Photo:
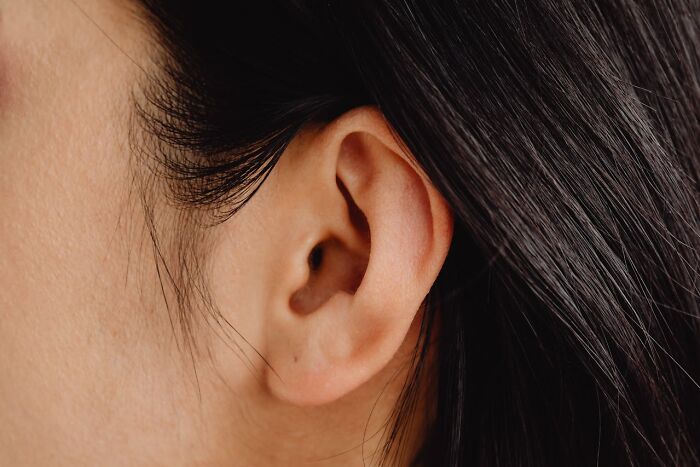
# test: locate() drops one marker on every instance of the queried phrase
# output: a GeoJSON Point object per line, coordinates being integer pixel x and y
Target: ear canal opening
{"type": "Point", "coordinates": [316, 258]}
{"type": "Point", "coordinates": [334, 267]}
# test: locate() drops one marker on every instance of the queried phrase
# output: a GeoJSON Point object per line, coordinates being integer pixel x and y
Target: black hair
{"type": "Point", "coordinates": [565, 136]}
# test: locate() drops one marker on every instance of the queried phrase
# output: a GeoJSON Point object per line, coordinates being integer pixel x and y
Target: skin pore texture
{"type": "Point", "coordinates": [92, 372]}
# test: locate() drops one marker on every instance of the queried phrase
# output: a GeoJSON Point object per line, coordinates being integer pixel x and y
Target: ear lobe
{"type": "Point", "coordinates": [367, 275]}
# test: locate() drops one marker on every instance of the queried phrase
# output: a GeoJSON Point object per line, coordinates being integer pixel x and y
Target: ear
{"type": "Point", "coordinates": [365, 238]}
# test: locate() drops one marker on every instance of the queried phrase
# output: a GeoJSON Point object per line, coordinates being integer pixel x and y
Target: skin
{"type": "Point", "coordinates": [92, 372]}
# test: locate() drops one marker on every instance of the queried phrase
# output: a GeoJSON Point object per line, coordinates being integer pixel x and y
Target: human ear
{"type": "Point", "coordinates": [365, 236]}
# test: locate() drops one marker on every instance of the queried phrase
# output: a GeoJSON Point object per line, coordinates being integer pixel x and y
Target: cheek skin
{"type": "Point", "coordinates": [79, 335]}
{"type": "Point", "coordinates": [3, 65]}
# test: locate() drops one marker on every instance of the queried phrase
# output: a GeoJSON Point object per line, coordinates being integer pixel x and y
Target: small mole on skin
{"type": "Point", "coordinates": [295, 359]}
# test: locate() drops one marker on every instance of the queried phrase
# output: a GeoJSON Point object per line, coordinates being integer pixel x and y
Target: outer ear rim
{"type": "Point", "coordinates": [318, 380]}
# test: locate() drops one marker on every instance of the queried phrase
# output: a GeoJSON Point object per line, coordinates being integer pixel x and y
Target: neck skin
{"type": "Point", "coordinates": [351, 431]}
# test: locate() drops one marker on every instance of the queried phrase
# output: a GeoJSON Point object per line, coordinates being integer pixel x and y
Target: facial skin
{"type": "Point", "coordinates": [92, 372]}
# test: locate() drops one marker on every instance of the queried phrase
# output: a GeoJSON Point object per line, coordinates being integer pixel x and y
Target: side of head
{"type": "Point", "coordinates": [383, 232]}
